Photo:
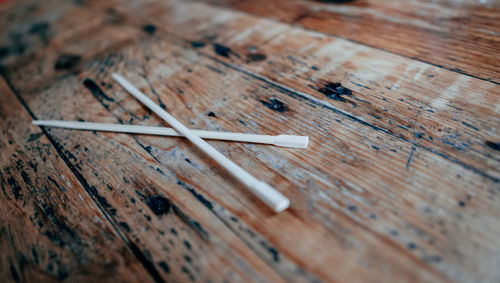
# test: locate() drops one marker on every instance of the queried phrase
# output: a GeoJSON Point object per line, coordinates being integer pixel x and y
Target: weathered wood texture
{"type": "Point", "coordinates": [453, 115]}
{"type": "Point", "coordinates": [400, 182]}
{"type": "Point", "coordinates": [50, 229]}
{"type": "Point", "coordinates": [460, 36]}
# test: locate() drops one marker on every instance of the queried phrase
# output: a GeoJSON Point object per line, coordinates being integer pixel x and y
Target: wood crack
{"type": "Point", "coordinates": [300, 17]}
{"type": "Point", "coordinates": [199, 197]}
{"type": "Point", "coordinates": [147, 264]}
{"type": "Point", "coordinates": [295, 93]}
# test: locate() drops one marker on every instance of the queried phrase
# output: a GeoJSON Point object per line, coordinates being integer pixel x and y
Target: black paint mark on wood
{"type": "Point", "coordinates": [198, 196]}
{"type": "Point", "coordinates": [159, 205]}
{"type": "Point", "coordinates": [150, 29]}
{"type": "Point", "coordinates": [352, 208]}
{"type": "Point", "coordinates": [102, 200]}
{"type": "Point", "coordinates": [4, 51]}
{"type": "Point", "coordinates": [215, 69]}
{"type": "Point", "coordinates": [190, 222]}
{"type": "Point", "coordinates": [15, 187]}
{"type": "Point", "coordinates": [34, 137]}
{"type": "Point", "coordinates": [274, 253]}
{"type": "Point", "coordinates": [61, 234]}
{"type": "Point", "coordinates": [493, 145]}
{"type": "Point", "coordinates": [412, 246]}
{"type": "Point", "coordinates": [149, 266]}
{"type": "Point", "coordinates": [2, 184]}
{"type": "Point", "coordinates": [454, 141]}
{"type": "Point", "coordinates": [164, 266]}
{"type": "Point", "coordinates": [67, 61]}
{"type": "Point", "coordinates": [470, 126]}
{"type": "Point", "coordinates": [222, 50]}
{"type": "Point", "coordinates": [55, 183]}
{"type": "Point", "coordinates": [97, 92]}
{"type": "Point", "coordinates": [187, 245]}
{"type": "Point", "coordinates": [125, 226]}
{"type": "Point", "coordinates": [35, 255]}
{"type": "Point", "coordinates": [14, 273]}
{"type": "Point", "coordinates": [410, 157]}
{"type": "Point", "coordinates": [187, 272]}
{"type": "Point", "coordinates": [146, 263]}
{"type": "Point", "coordinates": [197, 44]}
{"type": "Point", "coordinates": [41, 29]}
{"type": "Point", "coordinates": [335, 91]}
{"type": "Point", "coordinates": [255, 57]}
{"type": "Point", "coordinates": [274, 104]}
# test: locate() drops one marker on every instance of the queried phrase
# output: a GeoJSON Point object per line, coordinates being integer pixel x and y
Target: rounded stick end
{"type": "Point", "coordinates": [281, 205]}
{"type": "Point", "coordinates": [270, 196]}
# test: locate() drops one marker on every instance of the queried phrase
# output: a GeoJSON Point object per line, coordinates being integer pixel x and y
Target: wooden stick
{"type": "Point", "coordinates": [280, 140]}
{"type": "Point", "coordinates": [274, 199]}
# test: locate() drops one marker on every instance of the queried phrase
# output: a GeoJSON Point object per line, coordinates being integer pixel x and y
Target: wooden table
{"type": "Point", "coordinates": [400, 99]}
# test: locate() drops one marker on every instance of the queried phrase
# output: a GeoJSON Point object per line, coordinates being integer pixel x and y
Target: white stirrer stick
{"type": "Point", "coordinates": [280, 140]}
{"type": "Point", "coordinates": [265, 192]}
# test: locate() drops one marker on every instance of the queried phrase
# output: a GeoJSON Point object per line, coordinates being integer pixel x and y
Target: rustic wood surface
{"type": "Point", "coordinates": [459, 36]}
{"type": "Point", "coordinates": [400, 181]}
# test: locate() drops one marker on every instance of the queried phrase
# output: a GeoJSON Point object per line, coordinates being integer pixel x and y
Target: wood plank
{"type": "Point", "coordinates": [447, 113]}
{"type": "Point", "coordinates": [463, 38]}
{"type": "Point", "coordinates": [357, 203]}
{"type": "Point", "coordinates": [71, 34]}
{"type": "Point", "coordinates": [50, 228]}
{"type": "Point", "coordinates": [177, 247]}
{"type": "Point", "coordinates": [233, 96]}
{"type": "Point", "coordinates": [361, 209]}
{"type": "Point", "coordinates": [154, 208]}
{"type": "Point", "coordinates": [28, 26]}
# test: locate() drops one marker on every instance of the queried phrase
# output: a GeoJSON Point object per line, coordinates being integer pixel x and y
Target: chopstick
{"type": "Point", "coordinates": [280, 140]}
{"type": "Point", "coordinates": [271, 197]}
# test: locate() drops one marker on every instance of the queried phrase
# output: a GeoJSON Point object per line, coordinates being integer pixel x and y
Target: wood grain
{"type": "Point", "coordinates": [28, 26]}
{"type": "Point", "coordinates": [462, 37]}
{"type": "Point", "coordinates": [160, 225]}
{"type": "Point", "coordinates": [188, 83]}
{"type": "Point", "coordinates": [336, 211]}
{"type": "Point", "coordinates": [73, 35]}
{"type": "Point", "coordinates": [452, 115]}
{"type": "Point", "coordinates": [400, 182]}
{"type": "Point", "coordinates": [50, 228]}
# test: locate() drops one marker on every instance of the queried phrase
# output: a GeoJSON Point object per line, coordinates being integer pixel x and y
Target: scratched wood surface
{"type": "Point", "coordinates": [400, 181]}
{"type": "Point", "coordinates": [51, 228]}
{"type": "Point", "coordinates": [459, 36]}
